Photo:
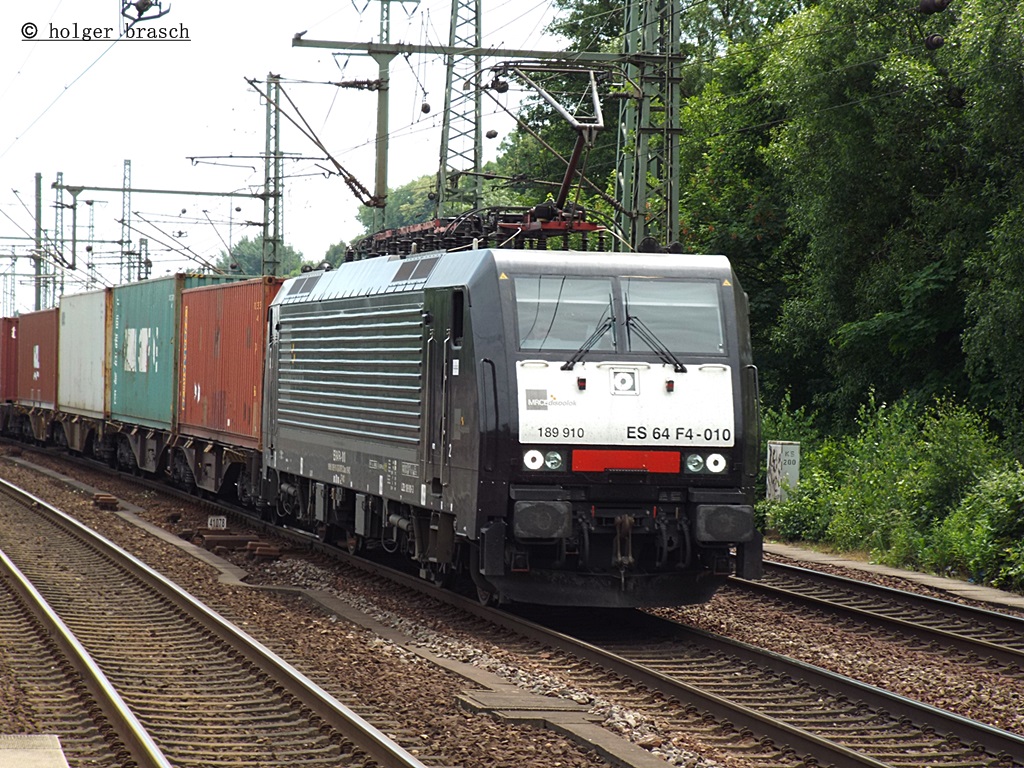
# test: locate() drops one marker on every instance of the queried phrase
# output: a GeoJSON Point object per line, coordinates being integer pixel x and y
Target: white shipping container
{"type": "Point", "coordinates": [84, 354]}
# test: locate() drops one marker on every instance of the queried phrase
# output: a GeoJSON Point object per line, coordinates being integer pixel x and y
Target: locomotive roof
{"type": "Point", "coordinates": [438, 269]}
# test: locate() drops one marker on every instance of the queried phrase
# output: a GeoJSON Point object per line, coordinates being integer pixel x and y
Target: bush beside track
{"type": "Point", "coordinates": [923, 487]}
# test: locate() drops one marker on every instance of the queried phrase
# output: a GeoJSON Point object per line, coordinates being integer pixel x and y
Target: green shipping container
{"type": "Point", "coordinates": [144, 358]}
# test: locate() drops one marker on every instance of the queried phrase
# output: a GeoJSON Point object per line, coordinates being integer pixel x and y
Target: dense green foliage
{"type": "Point", "coordinates": [983, 538]}
{"type": "Point", "coordinates": [923, 487]}
{"type": "Point", "coordinates": [408, 204]}
{"type": "Point", "coordinates": [336, 253]}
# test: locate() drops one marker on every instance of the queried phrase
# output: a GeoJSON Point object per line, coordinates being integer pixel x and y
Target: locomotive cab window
{"type": "Point", "coordinates": [458, 317]}
{"type": "Point", "coordinates": [559, 312]}
{"type": "Point", "coordinates": [684, 316]}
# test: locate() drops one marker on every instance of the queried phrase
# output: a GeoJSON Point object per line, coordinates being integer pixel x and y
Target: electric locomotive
{"type": "Point", "coordinates": [570, 428]}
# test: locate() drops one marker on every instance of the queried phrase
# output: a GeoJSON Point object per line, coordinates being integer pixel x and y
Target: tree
{"type": "Point", "coordinates": [589, 25]}
{"type": "Point", "coordinates": [527, 171]}
{"type": "Point", "coordinates": [410, 203]}
{"type": "Point", "coordinates": [336, 253]}
{"type": "Point", "coordinates": [246, 258]}
{"type": "Point", "coordinates": [986, 60]}
{"type": "Point", "coordinates": [708, 30]}
{"type": "Point", "coordinates": [867, 142]}
{"type": "Point", "coordinates": [732, 203]}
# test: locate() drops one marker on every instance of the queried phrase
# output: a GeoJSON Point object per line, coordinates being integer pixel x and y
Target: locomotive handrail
{"type": "Point", "coordinates": [444, 472]}
{"type": "Point", "coordinates": [428, 403]}
{"type": "Point", "coordinates": [751, 462]}
{"type": "Point", "coordinates": [490, 446]}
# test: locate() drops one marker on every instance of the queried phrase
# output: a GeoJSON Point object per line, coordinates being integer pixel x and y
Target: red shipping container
{"type": "Point", "coordinates": [37, 358]}
{"type": "Point", "coordinates": [223, 340]}
{"type": "Point", "coordinates": [8, 359]}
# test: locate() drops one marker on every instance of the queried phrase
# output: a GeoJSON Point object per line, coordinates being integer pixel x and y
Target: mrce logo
{"type": "Point", "coordinates": [540, 400]}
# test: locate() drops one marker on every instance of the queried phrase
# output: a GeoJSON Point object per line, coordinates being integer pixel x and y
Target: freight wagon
{"type": "Point", "coordinates": [220, 387]}
{"type": "Point", "coordinates": [83, 371]}
{"type": "Point", "coordinates": [36, 395]}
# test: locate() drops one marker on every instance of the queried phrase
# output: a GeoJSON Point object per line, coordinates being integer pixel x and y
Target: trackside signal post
{"type": "Point", "coordinates": [783, 469]}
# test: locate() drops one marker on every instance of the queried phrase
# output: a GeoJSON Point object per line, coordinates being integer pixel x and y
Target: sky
{"type": "Point", "coordinates": [181, 110]}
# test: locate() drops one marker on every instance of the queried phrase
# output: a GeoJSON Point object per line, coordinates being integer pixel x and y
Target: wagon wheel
{"type": "Point", "coordinates": [125, 457]}
{"type": "Point", "coordinates": [328, 533]}
{"type": "Point", "coordinates": [353, 542]}
{"type": "Point", "coordinates": [243, 488]}
{"type": "Point", "coordinates": [486, 597]}
{"type": "Point", "coordinates": [181, 473]}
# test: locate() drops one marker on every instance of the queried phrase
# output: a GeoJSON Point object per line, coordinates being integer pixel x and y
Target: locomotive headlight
{"type": "Point", "coordinates": [694, 462]}
{"type": "Point", "coordinates": [553, 460]}
{"type": "Point", "coordinates": [716, 462]}
{"type": "Point", "coordinates": [533, 459]}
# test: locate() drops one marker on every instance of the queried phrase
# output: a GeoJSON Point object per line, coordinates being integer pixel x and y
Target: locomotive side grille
{"type": "Point", "coordinates": [352, 369]}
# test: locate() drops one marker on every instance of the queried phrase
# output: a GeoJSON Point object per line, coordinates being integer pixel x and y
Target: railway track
{"type": "Point", "coordinates": [983, 633]}
{"type": "Point", "coordinates": [834, 719]}
{"type": "Point", "coordinates": [205, 693]}
{"type": "Point", "coordinates": [768, 709]}
{"type": "Point", "coordinates": [61, 690]}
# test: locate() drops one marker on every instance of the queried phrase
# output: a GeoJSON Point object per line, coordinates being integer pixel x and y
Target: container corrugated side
{"type": "Point", "coordinates": [144, 348]}
{"type": "Point", "coordinates": [37, 358]}
{"type": "Point", "coordinates": [8, 359]}
{"type": "Point", "coordinates": [83, 369]}
{"type": "Point", "coordinates": [223, 340]}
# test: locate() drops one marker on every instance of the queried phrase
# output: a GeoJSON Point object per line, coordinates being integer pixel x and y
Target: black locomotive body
{"type": "Point", "coordinates": [568, 428]}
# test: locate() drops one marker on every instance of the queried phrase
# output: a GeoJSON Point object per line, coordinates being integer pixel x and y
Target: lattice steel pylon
{"type": "Point", "coordinates": [45, 267]}
{"type": "Point", "coordinates": [647, 172]}
{"type": "Point", "coordinates": [127, 253]}
{"type": "Point", "coordinates": [9, 276]}
{"type": "Point", "coordinates": [461, 140]}
{"type": "Point", "coordinates": [273, 183]}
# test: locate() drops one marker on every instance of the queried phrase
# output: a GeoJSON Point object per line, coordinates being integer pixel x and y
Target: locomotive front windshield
{"type": "Point", "coordinates": [561, 312]}
{"type": "Point", "coordinates": [685, 316]}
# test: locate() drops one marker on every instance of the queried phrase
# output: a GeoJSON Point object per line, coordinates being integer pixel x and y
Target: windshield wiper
{"type": "Point", "coordinates": [587, 345]}
{"type": "Point", "coordinates": [649, 338]}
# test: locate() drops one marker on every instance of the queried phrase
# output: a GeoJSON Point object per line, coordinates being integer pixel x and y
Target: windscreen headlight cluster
{"type": "Point", "coordinates": [550, 460]}
{"type": "Point", "coordinates": [699, 464]}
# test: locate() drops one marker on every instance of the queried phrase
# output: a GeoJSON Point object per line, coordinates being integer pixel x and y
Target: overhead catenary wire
{"type": "Point", "coordinates": [31, 50]}
{"type": "Point", "coordinates": [182, 249]}
{"type": "Point", "coordinates": [357, 188]}
{"type": "Point", "coordinates": [44, 256]}
{"type": "Point", "coordinates": [59, 96]}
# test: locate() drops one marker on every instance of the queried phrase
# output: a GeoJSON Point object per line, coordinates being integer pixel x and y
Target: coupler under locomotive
{"type": "Point", "coordinates": [560, 552]}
